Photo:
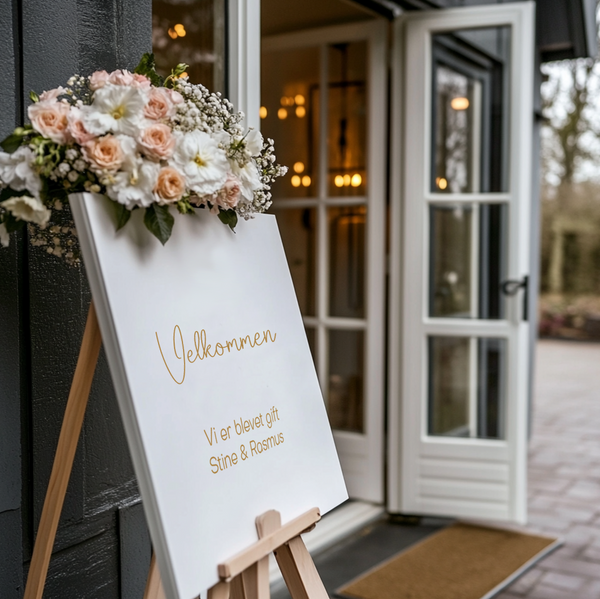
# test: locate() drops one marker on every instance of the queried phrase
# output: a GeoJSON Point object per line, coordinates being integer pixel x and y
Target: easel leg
{"type": "Point", "coordinates": [65, 453]}
{"type": "Point", "coordinates": [154, 588]}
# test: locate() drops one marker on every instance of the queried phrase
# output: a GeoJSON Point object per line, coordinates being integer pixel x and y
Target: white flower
{"type": "Point", "coordinates": [16, 171]}
{"type": "Point", "coordinates": [249, 178]}
{"type": "Point", "coordinates": [4, 236]}
{"type": "Point", "coordinates": [63, 168]}
{"type": "Point", "coordinates": [71, 154]}
{"type": "Point", "coordinates": [203, 164]}
{"type": "Point", "coordinates": [28, 209]}
{"type": "Point", "coordinates": [133, 185]}
{"type": "Point", "coordinates": [116, 108]}
{"type": "Point", "coordinates": [254, 142]}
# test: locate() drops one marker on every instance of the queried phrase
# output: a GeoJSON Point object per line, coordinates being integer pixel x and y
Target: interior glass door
{"type": "Point", "coordinates": [458, 387]}
{"type": "Point", "coordinates": [323, 102]}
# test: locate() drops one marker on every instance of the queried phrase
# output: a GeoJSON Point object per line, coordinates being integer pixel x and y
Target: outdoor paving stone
{"type": "Point", "coordinates": [563, 581]}
{"type": "Point", "coordinates": [526, 582]}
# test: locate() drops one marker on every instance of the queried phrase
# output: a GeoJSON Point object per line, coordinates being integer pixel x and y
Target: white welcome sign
{"type": "Point", "coordinates": [215, 381]}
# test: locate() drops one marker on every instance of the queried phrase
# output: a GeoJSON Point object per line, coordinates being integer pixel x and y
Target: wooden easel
{"type": "Point", "coordinates": [244, 576]}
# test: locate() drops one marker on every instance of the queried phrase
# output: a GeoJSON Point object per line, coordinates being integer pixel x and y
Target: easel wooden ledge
{"type": "Point", "coordinates": [244, 576]}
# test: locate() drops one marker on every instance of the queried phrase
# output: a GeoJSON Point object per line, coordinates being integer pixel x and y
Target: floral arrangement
{"type": "Point", "coordinates": [144, 142]}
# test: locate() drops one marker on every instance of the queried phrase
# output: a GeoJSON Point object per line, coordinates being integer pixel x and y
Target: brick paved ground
{"type": "Point", "coordinates": [564, 472]}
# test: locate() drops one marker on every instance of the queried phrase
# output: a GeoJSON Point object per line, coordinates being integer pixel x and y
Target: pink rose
{"type": "Point", "coordinates": [50, 119]}
{"type": "Point", "coordinates": [176, 97]}
{"type": "Point", "coordinates": [121, 77]}
{"type": "Point", "coordinates": [159, 104]}
{"type": "Point", "coordinates": [98, 79]}
{"type": "Point", "coordinates": [141, 81]}
{"type": "Point", "coordinates": [157, 141]}
{"type": "Point", "coordinates": [52, 94]}
{"type": "Point", "coordinates": [76, 127]}
{"type": "Point", "coordinates": [229, 195]}
{"type": "Point", "coordinates": [104, 153]}
{"type": "Point", "coordinates": [170, 185]}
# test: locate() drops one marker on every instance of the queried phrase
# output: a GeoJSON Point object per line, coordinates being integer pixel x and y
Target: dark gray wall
{"type": "Point", "coordinates": [102, 548]}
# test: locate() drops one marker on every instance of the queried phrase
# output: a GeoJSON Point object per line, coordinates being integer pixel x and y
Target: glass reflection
{"type": "Point", "coordinates": [346, 380]}
{"type": "Point", "coordinates": [466, 387]}
{"type": "Point", "coordinates": [192, 32]}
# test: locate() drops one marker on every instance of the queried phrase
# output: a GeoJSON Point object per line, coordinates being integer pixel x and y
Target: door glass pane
{"type": "Point", "coordinates": [347, 227]}
{"type": "Point", "coordinates": [466, 396]}
{"type": "Point", "coordinates": [192, 32]}
{"type": "Point", "coordinates": [311, 335]}
{"type": "Point", "coordinates": [470, 110]}
{"type": "Point", "coordinates": [290, 116]}
{"type": "Point", "coordinates": [346, 380]}
{"type": "Point", "coordinates": [347, 135]}
{"type": "Point", "coordinates": [298, 233]}
{"type": "Point", "coordinates": [467, 260]}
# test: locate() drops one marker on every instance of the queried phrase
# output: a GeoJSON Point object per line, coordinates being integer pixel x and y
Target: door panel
{"type": "Point", "coordinates": [331, 213]}
{"type": "Point", "coordinates": [460, 230]}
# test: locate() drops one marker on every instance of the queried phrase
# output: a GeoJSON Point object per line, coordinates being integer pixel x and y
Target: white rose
{"type": "Point", "coordinates": [134, 184]}
{"type": "Point", "coordinates": [28, 209]}
{"type": "Point", "coordinates": [249, 178]}
{"type": "Point", "coordinates": [4, 236]}
{"type": "Point", "coordinates": [16, 171]}
{"type": "Point", "coordinates": [254, 142]}
{"type": "Point", "coordinates": [116, 108]}
{"type": "Point", "coordinates": [203, 164]}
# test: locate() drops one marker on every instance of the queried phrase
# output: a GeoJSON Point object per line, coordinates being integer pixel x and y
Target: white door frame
{"type": "Point", "coordinates": [420, 481]}
{"type": "Point", "coordinates": [361, 454]}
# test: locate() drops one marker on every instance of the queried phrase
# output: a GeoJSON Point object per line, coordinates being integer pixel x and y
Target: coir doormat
{"type": "Point", "coordinates": [462, 561]}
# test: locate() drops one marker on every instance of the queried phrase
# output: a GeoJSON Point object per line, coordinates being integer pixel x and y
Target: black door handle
{"type": "Point", "coordinates": [511, 287]}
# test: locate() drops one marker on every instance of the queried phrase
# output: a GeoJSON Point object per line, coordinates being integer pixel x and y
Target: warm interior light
{"type": "Point", "coordinates": [184, 74]}
{"type": "Point", "coordinates": [300, 111]}
{"type": "Point", "coordinates": [285, 101]}
{"type": "Point", "coordinates": [339, 181]}
{"type": "Point", "coordinates": [282, 113]}
{"type": "Point", "coordinates": [356, 180]}
{"type": "Point", "coordinates": [441, 182]}
{"type": "Point", "coordinates": [459, 103]}
{"type": "Point", "coordinates": [296, 181]}
{"type": "Point", "coordinates": [180, 30]}
{"type": "Point", "coordinates": [263, 112]}
{"type": "Point", "coordinates": [299, 99]}
{"type": "Point", "coordinates": [306, 180]}
{"type": "Point", "coordinates": [298, 167]}
{"type": "Point", "coordinates": [172, 33]}
{"type": "Point", "coordinates": [347, 180]}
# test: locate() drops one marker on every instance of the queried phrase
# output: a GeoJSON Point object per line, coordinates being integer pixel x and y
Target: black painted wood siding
{"type": "Point", "coordinates": [102, 550]}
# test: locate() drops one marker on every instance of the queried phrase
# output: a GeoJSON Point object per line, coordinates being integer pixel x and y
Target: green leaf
{"type": "Point", "coordinates": [12, 143]}
{"type": "Point", "coordinates": [184, 206]}
{"type": "Point", "coordinates": [147, 66]}
{"type": "Point", "coordinates": [159, 221]}
{"type": "Point", "coordinates": [121, 213]}
{"type": "Point", "coordinates": [229, 218]}
{"type": "Point", "coordinates": [34, 97]}
{"type": "Point", "coordinates": [12, 223]}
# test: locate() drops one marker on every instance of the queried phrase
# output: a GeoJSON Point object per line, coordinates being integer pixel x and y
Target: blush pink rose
{"type": "Point", "coordinates": [157, 141]}
{"type": "Point", "coordinates": [159, 104]}
{"type": "Point", "coordinates": [170, 185]}
{"type": "Point", "coordinates": [52, 94]}
{"type": "Point", "coordinates": [76, 127]}
{"type": "Point", "coordinates": [229, 195]}
{"type": "Point", "coordinates": [141, 81]}
{"type": "Point", "coordinates": [176, 97]}
{"type": "Point", "coordinates": [50, 119]}
{"type": "Point", "coordinates": [98, 79]}
{"type": "Point", "coordinates": [121, 77]}
{"type": "Point", "coordinates": [104, 153]}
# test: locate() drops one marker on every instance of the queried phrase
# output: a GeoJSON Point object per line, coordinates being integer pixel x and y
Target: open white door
{"type": "Point", "coordinates": [459, 263]}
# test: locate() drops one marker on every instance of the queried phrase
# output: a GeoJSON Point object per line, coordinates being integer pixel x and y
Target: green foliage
{"type": "Point", "coordinates": [184, 206]}
{"type": "Point", "coordinates": [7, 193]}
{"type": "Point", "coordinates": [34, 97]}
{"type": "Point", "coordinates": [176, 73]}
{"type": "Point", "coordinates": [121, 213]}
{"type": "Point", "coordinates": [147, 66]}
{"type": "Point", "coordinates": [229, 218]}
{"type": "Point", "coordinates": [159, 221]}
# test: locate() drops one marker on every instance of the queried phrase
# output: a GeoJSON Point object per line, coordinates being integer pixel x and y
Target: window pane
{"type": "Point", "coordinates": [466, 387]}
{"type": "Point", "coordinates": [347, 228]}
{"type": "Point", "coordinates": [470, 110]}
{"type": "Point", "coordinates": [346, 380]}
{"type": "Point", "coordinates": [192, 32]}
{"type": "Point", "coordinates": [298, 233]}
{"type": "Point", "coordinates": [347, 135]}
{"type": "Point", "coordinates": [290, 116]}
{"type": "Point", "coordinates": [467, 260]}
{"type": "Point", "coordinates": [311, 335]}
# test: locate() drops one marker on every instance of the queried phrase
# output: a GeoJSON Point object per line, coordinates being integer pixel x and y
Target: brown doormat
{"type": "Point", "coordinates": [460, 562]}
